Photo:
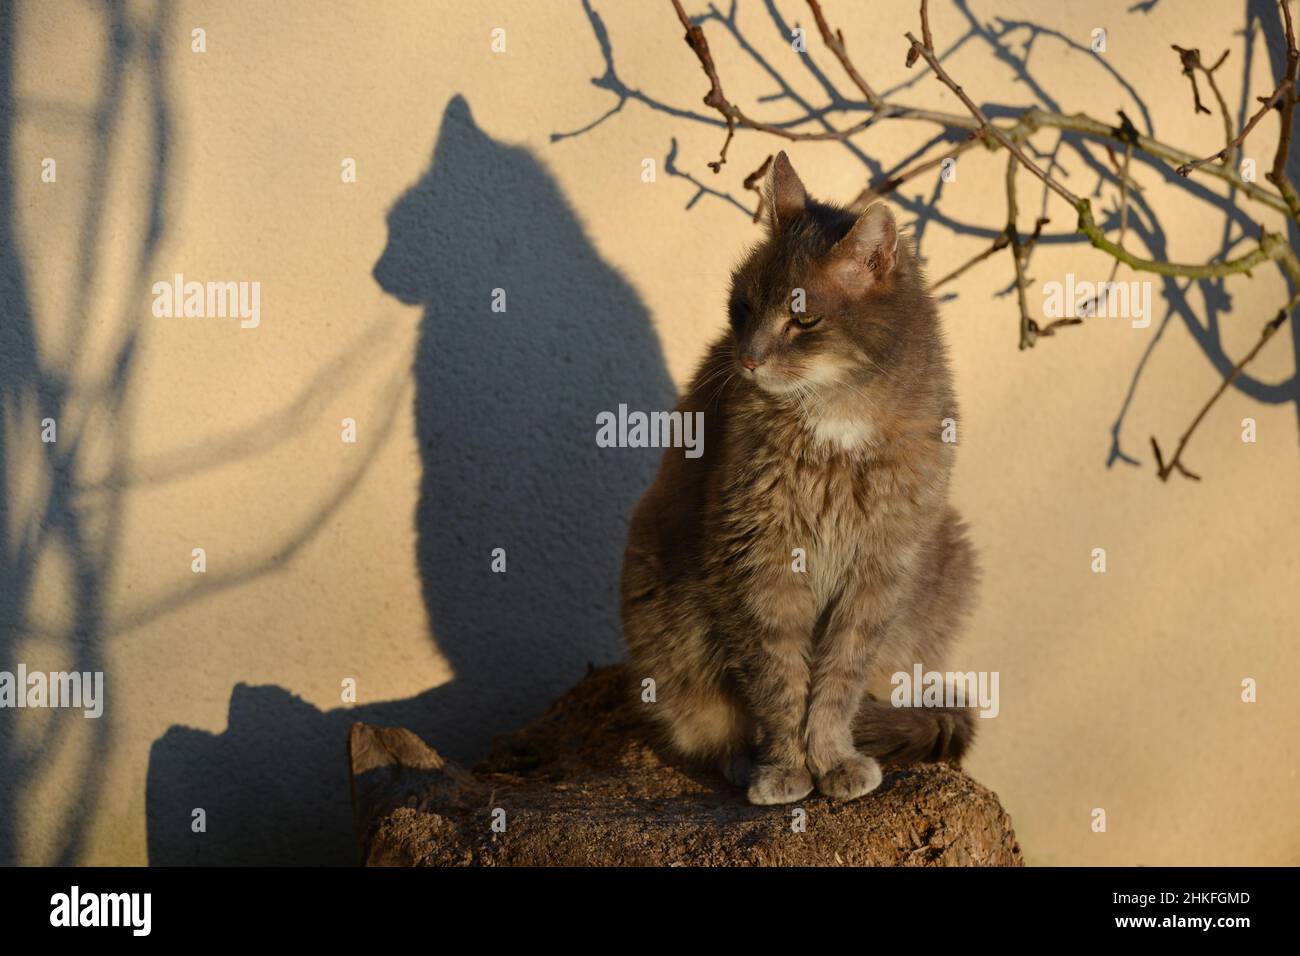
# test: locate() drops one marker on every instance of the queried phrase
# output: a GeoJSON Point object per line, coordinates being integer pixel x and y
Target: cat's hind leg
{"type": "Point", "coordinates": [708, 724]}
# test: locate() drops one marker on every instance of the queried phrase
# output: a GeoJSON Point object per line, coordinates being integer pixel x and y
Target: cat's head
{"type": "Point", "coordinates": [820, 302]}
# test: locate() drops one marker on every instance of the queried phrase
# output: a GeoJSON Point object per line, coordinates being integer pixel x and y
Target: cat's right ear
{"type": "Point", "coordinates": [784, 196]}
{"type": "Point", "coordinates": [869, 252]}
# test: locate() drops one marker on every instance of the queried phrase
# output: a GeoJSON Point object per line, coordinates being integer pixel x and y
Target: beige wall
{"type": "Point", "coordinates": [329, 561]}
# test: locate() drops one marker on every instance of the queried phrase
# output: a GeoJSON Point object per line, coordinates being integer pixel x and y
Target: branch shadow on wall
{"type": "Point", "coordinates": [505, 411]}
{"type": "Point", "coordinates": [58, 522]}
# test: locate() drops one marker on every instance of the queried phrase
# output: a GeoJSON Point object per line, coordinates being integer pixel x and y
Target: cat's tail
{"type": "Point", "coordinates": [908, 735]}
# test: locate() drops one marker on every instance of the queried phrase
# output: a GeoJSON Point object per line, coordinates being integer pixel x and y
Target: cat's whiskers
{"type": "Point", "coordinates": [816, 400]}
{"type": "Point", "coordinates": [799, 391]}
{"type": "Point", "coordinates": [715, 374]}
{"type": "Point", "coordinates": [725, 371]}
{"type": "Point", "coordinates": [718, 391]}
{"type": "Point", "coordinates": [801, 388]}
{"type": "Point", "coordinates": [857, 391]}
{"type": "Point", "coordinates": [872, 362]}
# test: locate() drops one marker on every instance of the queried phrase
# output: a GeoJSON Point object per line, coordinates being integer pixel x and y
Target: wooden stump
{"type": "Point", "coordinates": [581, 786]}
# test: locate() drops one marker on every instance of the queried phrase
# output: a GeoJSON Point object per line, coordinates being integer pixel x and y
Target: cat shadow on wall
{"type": "Point", "coordinates": [505, 420]}
{"type": "Point", "coordinates": [505, 409]}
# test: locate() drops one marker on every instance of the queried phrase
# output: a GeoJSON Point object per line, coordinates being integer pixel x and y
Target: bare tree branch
{"type": "Point", "coordinates": [1271, 247]}
{"type": "Point", "coordinates": [1283, 98]}
{"type": "Point", "coordinates": [985, 127]}
{"type": "Point", "coordinates": [1286, 106]}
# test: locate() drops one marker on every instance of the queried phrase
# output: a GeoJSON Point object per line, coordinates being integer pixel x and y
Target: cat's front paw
{"type": "Point", "coordinates": [771, 783]}
{"type": "Point", "coordinates": [851, 778]}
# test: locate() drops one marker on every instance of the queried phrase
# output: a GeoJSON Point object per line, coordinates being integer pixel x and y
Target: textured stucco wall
{"type": "Point", "coordinates": [475, 430]}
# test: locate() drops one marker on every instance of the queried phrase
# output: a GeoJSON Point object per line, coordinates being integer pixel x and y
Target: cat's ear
{"type": "Point", "coordinates": [869, 252]}
{"type": "Point", "coordinates": [784, 196]}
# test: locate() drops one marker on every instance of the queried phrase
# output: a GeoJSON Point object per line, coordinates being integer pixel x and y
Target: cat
{"type": "Point", "coordinates": [772, 587]}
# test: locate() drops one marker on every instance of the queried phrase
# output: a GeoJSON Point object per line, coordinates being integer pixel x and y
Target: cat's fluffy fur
{"type": "Point", "coordinates": [823, 435]}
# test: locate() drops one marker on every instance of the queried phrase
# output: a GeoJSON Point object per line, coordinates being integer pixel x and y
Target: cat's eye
{"type": "Point", "coordinates": [804, 320]}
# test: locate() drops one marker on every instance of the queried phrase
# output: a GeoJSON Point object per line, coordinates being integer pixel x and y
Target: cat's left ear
{"type": "Point", "coordinates": [869, 252]}
{"type": "Point", "coordinates": [784, 196]}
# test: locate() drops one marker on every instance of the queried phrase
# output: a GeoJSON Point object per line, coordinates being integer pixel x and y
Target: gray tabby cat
{"type": "Point", "coordinates": [824, 435]}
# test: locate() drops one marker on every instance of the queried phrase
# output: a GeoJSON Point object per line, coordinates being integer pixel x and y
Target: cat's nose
{"type": "Point", "coordinates": [751, 363]}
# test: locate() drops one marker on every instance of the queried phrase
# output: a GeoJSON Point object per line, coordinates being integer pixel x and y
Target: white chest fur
{"type": "Point", "coordinates": [843, 433]}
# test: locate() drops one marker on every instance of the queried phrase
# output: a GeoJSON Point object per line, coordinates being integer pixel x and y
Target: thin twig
{"type": "Point", "coordinates": [1235, 143]}
{"type": "Point", "coordinates": [985, 127]}
{"type": "Point", "coordinates": [715, 98]}
{"type": "Point", "coordinates": [835, 43]}
{"type": "Point", "coordinates": [1283, 97]}
{"type": "Point", "coordinates": [1165, 469]}
{"type": "Point", "coordinates": [1030, 243]}
{"type": "Point", "coordinates": [1123, 205]}
{"type": "Point", "coordinates": [999, 244]}
{"type": "Point", "coordinates": [1218, 95]}
{"type": "Point", "coordinates": [1028, 328]}
{"type": "Point", "coordinates": [752, 182]}
{"type": "Point", "coordinates": [734, 115]}
{"type": "Point", "coordinates": [1191, 60]}
{"type": "Point", "coordinates": [1286, 105]}
{"type": "Point", "coordinates": [888, 184]}
{"type": "Point", "coordinates": [1119, 170]}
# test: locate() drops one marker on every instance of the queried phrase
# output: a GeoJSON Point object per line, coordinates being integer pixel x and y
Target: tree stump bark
{"type": "Point", "coordinates": [582, 786]}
